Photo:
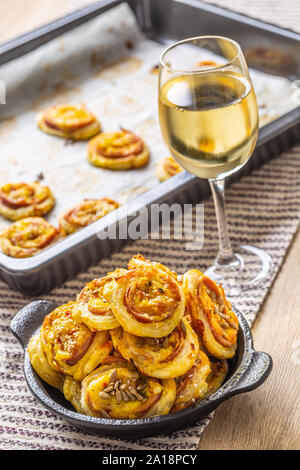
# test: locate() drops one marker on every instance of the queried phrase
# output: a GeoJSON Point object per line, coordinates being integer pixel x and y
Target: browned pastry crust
{"type": "Point", "coordinates": [26, 237]}
{"type": "Point", "coordinates": [85, 213]}
{"type": "Point", "coordinates": [121, 150]}
{"type": "Point", "coordinates": [20, 200]}
{"type": "Point", "coordinates": [69, 122]}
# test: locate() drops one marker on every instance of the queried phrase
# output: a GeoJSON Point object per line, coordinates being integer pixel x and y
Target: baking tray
{"type": "Point", "coordinates": [161, 21]}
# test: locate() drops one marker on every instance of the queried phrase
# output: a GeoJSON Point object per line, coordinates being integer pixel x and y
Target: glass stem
{"type": "Point", "coordinates": [226, 256]}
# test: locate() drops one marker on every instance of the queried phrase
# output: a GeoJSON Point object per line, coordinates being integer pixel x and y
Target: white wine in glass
{"type": "Point", "coordinates": [209, 120]}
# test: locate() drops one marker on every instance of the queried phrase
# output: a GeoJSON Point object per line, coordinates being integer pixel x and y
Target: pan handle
{"type": "Point", "coordinates": [259, 369]}
{"type": "Point", "coordinates": [29, 318]}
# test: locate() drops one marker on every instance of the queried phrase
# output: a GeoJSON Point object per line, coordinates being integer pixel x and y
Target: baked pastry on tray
{"type": "Point", "coordinates": [166, 168]}
{"type": "Point", "coordinates": [69, 122]}
{"type": "Point", "coordinates": [120, 150]}
{"type": "Point", "coordinates": [20, 200]}
{"type": "Point", "coordinates": [28, 236]}
{"type": "Point", "coordinates": [135, 343]}
{"type": "Point", "coordinates": [85, 213]}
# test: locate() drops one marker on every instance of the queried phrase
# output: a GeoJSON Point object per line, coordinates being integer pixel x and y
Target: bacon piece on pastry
{"type": "Point", "coordinates": [72, 348]}
{"type": "Point", "coordinates": [69, 122]}
{"type": "Point", "coordinates": [20, 200]}
{"type": "Point", "coordinates": [212, 314]}
{"type": "Point", "coordinates": [116, 390]}
{"type": "Point", "coordinates": [166, 168]}
{"type": "Point", "coordinates": [164, 358]}
{"type": "Point", "coordinates": [146, 300]}
{"type": "Point", "coordinates": [28, 236]}
{"type": "Point", "coordinates": [121, 150]}
{"type": "Point", "coordinates": [85, 213]}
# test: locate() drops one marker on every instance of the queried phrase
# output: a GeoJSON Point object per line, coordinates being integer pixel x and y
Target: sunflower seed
{"type": "Point", "coordinates": [124, 395]}
{"type": "Point", "coordinates": [123, 387]}
{"type": "Point", "coordinates": [135, 393]}
{"type": "Point", "coordinates": [233, 325]}
{"type": "Point", "coordinates": [224, 316]}
{"type": "Point", "coordinates": [113, 375]}
{"type": "Point", "coordinates": [108, 389]}
{"type": "Point", "coordinates": [118, 395]}
{"type": "Point", "coordinates": [104, 395]}
{"type": "Point", "coordinates": [130, 396]}
{"type": "Point", "coordinates": [117, 384]}
{"type": "Point", "coordinates": [104, 414]}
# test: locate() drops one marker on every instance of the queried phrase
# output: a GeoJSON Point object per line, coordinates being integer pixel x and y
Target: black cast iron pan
{"type": "Point", "coordinates": [247, 370]}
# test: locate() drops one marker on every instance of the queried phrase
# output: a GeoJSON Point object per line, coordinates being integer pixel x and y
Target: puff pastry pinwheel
{"type": "Point", "coordinates": [217, 375]}
{"type": "Point", "coordinates": [138, 261]}
{"type": "Point", "coordinates": [40, 364]}
{"type": "Point", "coordinates": [91, 306]}
{"type": "Point", "coordinates": [69, 122]}
{"type": "Point", "coordinates": [137, 343]}
{"type": "Point", "coordinates": [116, 390]}
{"type": "Point", "coordinates": [70, 347]}
{"type": "Point", "coordinates": [84, 214]}
{"type": "Point", "coordinates": [26, 237]}
{"type": "Point", "coordinates": [166, 168]}
{"type": "Point", "coordinates": [20, 200]}
{"type": "Point", "coordinates": [147, 301]}
{"type": "Point", "coordinates": [192, 386]}
{"type": "Point", "coordinates": [121, 150]}
{"type": "Point", "coordinates": [164, 358]}
{"type": "Point", "coordinates": [212, 314]}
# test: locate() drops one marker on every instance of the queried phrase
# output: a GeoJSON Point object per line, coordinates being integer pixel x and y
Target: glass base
{"type": "Point", "coordinates": [249, 268]}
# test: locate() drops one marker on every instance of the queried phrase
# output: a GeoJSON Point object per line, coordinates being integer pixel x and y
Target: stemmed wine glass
{"type": "Point", "coordinates": [209, 120]}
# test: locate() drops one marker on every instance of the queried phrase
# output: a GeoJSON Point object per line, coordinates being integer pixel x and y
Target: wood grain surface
{"type": "Point", "coordinates": [269, 417]}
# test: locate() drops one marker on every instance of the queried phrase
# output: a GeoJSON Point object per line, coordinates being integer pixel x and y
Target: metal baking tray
{"type": "Point", "coordinates": [161, 21]}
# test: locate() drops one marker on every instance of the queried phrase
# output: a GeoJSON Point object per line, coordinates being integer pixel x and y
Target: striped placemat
{"type": "Point", "coordinates": [263, 209]}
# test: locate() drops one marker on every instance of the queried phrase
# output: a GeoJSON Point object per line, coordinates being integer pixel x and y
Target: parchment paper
{"type": "Point", "coordinates": [107, 64]}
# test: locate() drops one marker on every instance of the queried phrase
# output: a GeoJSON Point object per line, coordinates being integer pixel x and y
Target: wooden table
{"type": "Point", "coordinates": [269, 417]}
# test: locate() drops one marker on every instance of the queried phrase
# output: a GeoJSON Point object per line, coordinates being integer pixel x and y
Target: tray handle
{"type": "Point", "coordinates": [29, 318]}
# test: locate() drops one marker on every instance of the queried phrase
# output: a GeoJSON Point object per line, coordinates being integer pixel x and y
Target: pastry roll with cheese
{"type": "Point", "coordinates": [20, 200]}
{"type": "Point", "coordinates": [72, 392]}
{"type": "Point", "coordinates": [116, 390]}
{"type": "Point", "coordinates": [212, 314]}
{"type": "Point", "coordinates": [217, 375]}
{"type": "Point", "coordinates": [41, 366]}
{"type": "Point", "coordinates": [146, 300]}
{"type": "Point", "coordinates": [121, 150]}
{"type": "Point", "coordinates": [138, 261]}
{"type": "Point", "coordinates": [92, 308]}
{"type": "Point", "coordinates": [166, 168]}
{"type": "Point", "coordinates": [164, 358]}
{"type": "Point", "coordinates": [72, 348]}
{"type": "Point", "coordinates": [85, 213]}
{"type": "Point", "coordinates": [192, 386]}
{"type": "Point", "coordinates": [26, 237]}
{"type": "Point", "coordinates": [69, 122]}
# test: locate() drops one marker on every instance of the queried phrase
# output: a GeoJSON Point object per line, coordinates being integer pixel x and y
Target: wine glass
{"type": "Point", "coordinates": [209, 120]}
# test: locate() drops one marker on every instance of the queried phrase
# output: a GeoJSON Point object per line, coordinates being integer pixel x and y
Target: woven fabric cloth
{"type": "Point", "coordinates": [282, 13]}
{"type": "Point", "coordinates": [263, 210]}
